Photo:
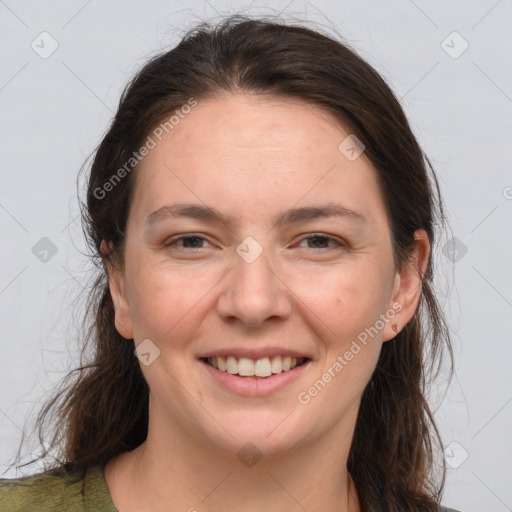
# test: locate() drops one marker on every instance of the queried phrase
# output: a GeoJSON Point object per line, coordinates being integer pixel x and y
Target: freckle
{"type": "Point", "coordinates": [338, 300]}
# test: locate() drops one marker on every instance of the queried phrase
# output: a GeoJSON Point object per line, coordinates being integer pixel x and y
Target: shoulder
{"type": "Point", "coordinates": [43, 491]}
{"type": "Point", "coordinates": [55, 490]}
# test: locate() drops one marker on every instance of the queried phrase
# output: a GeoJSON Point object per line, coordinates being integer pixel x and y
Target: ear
{"type": "Point", "coordinates": [116, 285]}
{"type": "Point", "coordinates": [407, 287]}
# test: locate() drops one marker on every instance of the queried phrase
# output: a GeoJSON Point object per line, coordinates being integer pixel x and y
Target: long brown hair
{"type": "Point", "coordinates": [101, 409]}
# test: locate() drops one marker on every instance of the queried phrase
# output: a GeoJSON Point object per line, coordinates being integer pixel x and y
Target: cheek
{"type": "Point", "coordinates": [163, 300]}
{"type": "Point", "coordinates": [349, 302]}
{"type": "Point", "coordinates": [347, 299]}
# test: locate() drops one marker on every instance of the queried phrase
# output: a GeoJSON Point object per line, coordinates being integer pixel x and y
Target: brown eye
{"type": "Point", "coordinates": [189, 242]}
{"type": "Point", "coordinates": [320, 241]}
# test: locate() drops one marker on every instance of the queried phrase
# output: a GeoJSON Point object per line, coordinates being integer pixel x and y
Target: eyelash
{"type": "Point", "coordinates": [172, 242]}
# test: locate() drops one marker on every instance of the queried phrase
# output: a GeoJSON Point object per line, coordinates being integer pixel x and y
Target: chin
{"type": "Point", "coordinates": [267, 435]}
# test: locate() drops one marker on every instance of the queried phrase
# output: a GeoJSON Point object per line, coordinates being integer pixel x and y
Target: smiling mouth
{"type": "Point", "coordinates": [259, 368]}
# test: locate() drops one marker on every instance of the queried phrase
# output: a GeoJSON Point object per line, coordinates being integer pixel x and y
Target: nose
{"type": "Point", "coordinates": [253, 292]}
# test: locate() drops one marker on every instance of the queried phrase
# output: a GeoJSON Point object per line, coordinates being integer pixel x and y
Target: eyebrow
{"type": "Point", "coordinates": [292, 216]}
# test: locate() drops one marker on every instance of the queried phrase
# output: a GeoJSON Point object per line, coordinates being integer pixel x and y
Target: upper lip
{"type": "Point", "coordinates": [254, 353]}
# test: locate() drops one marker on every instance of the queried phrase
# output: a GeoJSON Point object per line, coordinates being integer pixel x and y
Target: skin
{"type": "Point", "coordinates": [250, 158]}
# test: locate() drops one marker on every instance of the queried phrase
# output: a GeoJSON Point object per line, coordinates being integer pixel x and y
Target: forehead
{"type": "Point", "coordinates": [253, 155]}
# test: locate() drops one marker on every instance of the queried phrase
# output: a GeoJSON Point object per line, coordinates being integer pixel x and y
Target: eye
{"type": "Point", "coordinates": [321, 240]}
{"type": "Point", "coordinates": [191, 241]}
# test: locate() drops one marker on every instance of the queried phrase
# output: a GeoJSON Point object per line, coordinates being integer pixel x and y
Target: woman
{"type": "Point", "coordinates": [264, 318]}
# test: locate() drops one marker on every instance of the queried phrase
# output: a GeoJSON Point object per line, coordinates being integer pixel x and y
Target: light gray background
{"type": "Point", "coordinates": [55, 110]}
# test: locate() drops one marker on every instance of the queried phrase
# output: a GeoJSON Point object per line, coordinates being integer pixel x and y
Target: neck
{"type": "Point", "coordinates": [176, 470]}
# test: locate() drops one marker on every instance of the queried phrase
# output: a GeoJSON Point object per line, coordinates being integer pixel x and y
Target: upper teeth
{"type": "Point", "coordinates": [263, 367]}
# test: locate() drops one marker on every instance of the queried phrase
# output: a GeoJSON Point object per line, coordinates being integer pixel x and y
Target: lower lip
{"type": "Point", "coordinates": [256, 386]}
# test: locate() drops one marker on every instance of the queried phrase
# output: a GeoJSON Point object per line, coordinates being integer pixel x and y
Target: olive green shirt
{"type": "Point", "coordinates": [57, 493]}
{"type": "Point", "coordinates": [46, 492]}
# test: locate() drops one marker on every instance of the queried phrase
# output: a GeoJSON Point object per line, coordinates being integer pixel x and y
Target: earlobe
{"type": "Point", "coordinates": [122, 309]}
{"type": "Point", "coordinates": [116, 285]}
{"type": "Point", "coordinates": [407, 287]}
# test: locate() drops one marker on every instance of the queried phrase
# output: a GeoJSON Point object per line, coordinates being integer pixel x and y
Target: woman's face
{"type": "Point", "coordinates": [277, 273]}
